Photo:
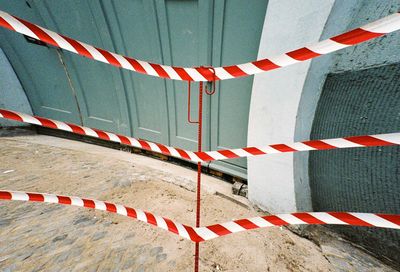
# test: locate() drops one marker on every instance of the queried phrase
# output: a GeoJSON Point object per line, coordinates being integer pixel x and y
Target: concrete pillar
{"type": "Point", "coordinates": [275, 98]}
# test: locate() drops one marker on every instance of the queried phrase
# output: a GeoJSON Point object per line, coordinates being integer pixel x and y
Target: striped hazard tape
{"type": "Point", "coordinates": [372, 30]}
{"type": "Point", "coordinates": [206, 233]}
{"type": "Point", "coordinates": [346, 142]}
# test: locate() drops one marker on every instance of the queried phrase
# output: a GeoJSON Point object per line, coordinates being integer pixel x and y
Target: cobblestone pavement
{"type": "Point", "coordinates": [49, 237]}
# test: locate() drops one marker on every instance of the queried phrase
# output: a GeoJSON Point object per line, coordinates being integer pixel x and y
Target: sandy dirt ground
{"type": "Point", "coordinates": [50, 237]}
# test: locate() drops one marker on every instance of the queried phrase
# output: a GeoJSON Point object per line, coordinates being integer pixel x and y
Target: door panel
{"type": "Point", "coordinates": [230, 105]}
{"type": "Point", "coordinates": [99, 86]}
{"type": "Point", "coordinates": [39, 69]}
{"type": "Point", "coordinates": [134, 29]}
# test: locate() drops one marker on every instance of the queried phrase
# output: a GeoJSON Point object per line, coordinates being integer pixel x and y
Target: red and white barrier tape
{"type": "Point", "coordinates": [346, 142]}
{"type": "Point", "coordinates": [372, 30]}
{"type": "Point", "coordinates": [202, 234]}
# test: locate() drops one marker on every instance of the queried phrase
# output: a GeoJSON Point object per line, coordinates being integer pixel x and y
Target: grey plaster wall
{"type": "Point", "coordinates": [12, 96]}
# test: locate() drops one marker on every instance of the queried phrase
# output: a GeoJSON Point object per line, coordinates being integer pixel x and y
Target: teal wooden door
{"type": "Point", "coordinates": [99, 86]}
{"type": "Point", "coordinates": [172, 32]}
{"type": "Point", "coordinates": [39, 69]}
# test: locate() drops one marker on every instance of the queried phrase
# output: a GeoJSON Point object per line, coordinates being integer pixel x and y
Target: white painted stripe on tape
{"type": "Point", "coordinates": [63, 126]}
{"type": "Point", "coordinates": [283, 60]}
{"type": "Point", "coordinates": [147, 67]}
{"type": "Point", "coordinates": [76, 201]}
{"type": "Point", "coordinates": [216, 155]}
{"type": "Point", "coordinates": [90, 132]}
{"type": "Point", "coordinates": [134, 142]}
{"type": "Point", "coordinates": [100, 205]}
{"type": "Point", "coordinates": [269, 150]}
{"type": "Point", "coordinates": [141, 215]}
{"type": "Point", "coordinates": [123, 61]}
{"type": "Point", "coordinates": [291, 219]}
{"type": "Point", "coordinates": [261, 222]}
{"type": "Point", "coordinates": [300, 146]}
{"type": "Point", "coordinates": [327, 218]}
{"type": "Point", "coordinates": [375, 220]}
{"type": "Point", "coordinates": [232, 226]}
{"type": "Point", "coordinates": [19, 196]}
{"type": "Point", "coordinates": [385, 25]}
{"type": "Point", "coordinates": [390, 137]}
{"type": "Point", "coordinates": [182, 231]}
{"type": "Point", "coordinates": [206, 233]}
{"type": "Point", "coordinates": [154, 147]}
{"type": "Point", "coordinates": [249, 68]}
{"type": "Point", "coordinates": [326, 46]}
{"type": "Point", "coordinates": [121, 210]}
{"type": "Point", "coordinates": [161, 222]}
{"type": "Point", "coordinates": [17, 25]}
{"type": "Point", "coordinates": [171, 72]}
{"type": "Point", "coordinates": [241, 152]}
{"type": "Point", "coordinates": [222, 73]}
{"type": "Point", "coordinates": [113, 137]}
{"type": "Point", "coordinates": [29, 119]}
{"type": "Point", "coordinates": [49, 198]}
{"type": "Point", "coordinates": [59, 40]}
{"type": "Point", "coordinates": [340, 143]}
{"type": "Point", "coordinates": [94, 52]}
{"type": "Point", "coordinates": [193, 73]}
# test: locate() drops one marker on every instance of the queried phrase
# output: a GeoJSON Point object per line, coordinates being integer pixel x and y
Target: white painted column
{"type": "Point", "coordinates": [275, 98]}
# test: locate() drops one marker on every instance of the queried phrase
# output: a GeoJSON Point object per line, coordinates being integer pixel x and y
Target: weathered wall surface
{"type": "Point", "coordinates": [12, 96]}
{"type": "Point", "coordinates": [361, 95]}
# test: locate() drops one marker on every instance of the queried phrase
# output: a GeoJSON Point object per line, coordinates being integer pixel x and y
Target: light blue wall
{"type": "Point", "coordinates": [12, 96]}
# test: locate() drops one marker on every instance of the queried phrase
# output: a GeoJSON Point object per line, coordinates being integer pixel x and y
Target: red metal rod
{"type": "Point", "coordinates": [199, 141]}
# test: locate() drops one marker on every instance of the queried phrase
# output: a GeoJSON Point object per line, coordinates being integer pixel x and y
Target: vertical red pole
{"type": "Point", "coordinates": [199, 140]}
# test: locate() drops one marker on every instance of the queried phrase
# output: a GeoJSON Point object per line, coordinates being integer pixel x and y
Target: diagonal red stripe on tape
{"type": "Point", "coordinates": [182, 73]}
{"type": "Point", "coordinates": [78, 47]}
{"type": "Point", "coordinates": [101, 134]}
{"type": "Point", "coordinates": [308, 218]}
{"type": "Point", "coordinates": [183, 153]}
{"type": "Point", "coordinates": [395, 219]}
{"type": "Point", "coordinates": [110, 207]}
{"type": "Point", "coordinates": [77, 129]}
{"type": "Point", "coordinates": [302, 54]}
{"type": "Point", "coordinates": [35, 197]}
{"type": "Point", "coordinates": [144, 144]}
{"type": "Point", "coordinates": [207, 73]}
{"type": "Point", "coordinates": [160, 71]}
{"type": "Point", "coordinates": [204, 156]}
{"type": "Point", "coordinates": [171, 226]}
{"type": "Point", "coordinates": [136, 65]}
{"type": "Point", "coordinates": [349, 219]}
{"type": "Point", "coordinates": [367, 140]}
{"type": "Point", "coordinates": [317, 144]}
{"type": "Point", "coordinates": [150, 218]}
{"type": "Point", "coordinates": [254, 150]}
{"type": "Point", "coordinates": [109, 57]}
{"type": "Point", "coordinates": [43, 36]}
{"type": "Point", "coordinates": [219, 229]}
{"type": "Point", "coordinates": [10, 115]}
{"type": "Point", "coordinates": [283, 148]}
{"type": "Point", "coordinates": [163, 149]}
{"type": "Point", "coordinates": [235, 71]}
{"type": "Point", "coordinates": [193, 235]}
{"type": "Point", "coordinates": [124, 140]}
{"type": "Point", "coordinates": [247, 224]}
{"type": "Point", "coordinates": [5, 24]}
{"type": "Point", "coordinates": [355, 36]}
{"type": "Point", "coordinates": [88, 203]}
{"type": "Point", "coordinates": [47, 122]}
{"type": "Point", "coordinates": [265, 64]}
{"type": "Point", "coordinates": [5, 195]}
{"type": "Point", "coordinates": [275, 220]}
{"type": "Point", "coordinates": [64, 200]}
{"type": "Point", "coordinates": [228, 153]}
{"type": "Point", "coordinates": [130, 212]}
